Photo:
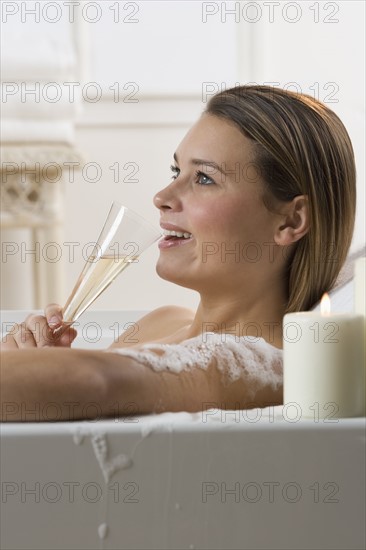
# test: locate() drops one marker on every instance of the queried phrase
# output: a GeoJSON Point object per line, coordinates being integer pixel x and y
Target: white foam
{"type": "Point", "coordinates": [79, 432]}
{"type": "Point", "coordinates": [103, 531]}
{"type": "Point", "coordinates": [245, 357]}
{"type": "Point", "coordinates": [108, 466]}
{"type": "Point", "coordinates": [78, 437]}
{"type": "Point", "coordinates": [146, 430]}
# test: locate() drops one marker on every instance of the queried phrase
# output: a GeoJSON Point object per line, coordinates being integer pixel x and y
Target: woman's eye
{"type": "Point", "coordinates": [175, 171]}
{"type": "Point", "coordinates": [200, 177]}
{"type": "Point", "coordinates": [203, 179]}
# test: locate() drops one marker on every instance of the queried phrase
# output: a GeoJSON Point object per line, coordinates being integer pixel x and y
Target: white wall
{"type": "Point", "coordinates": [168, 54]}
{"type": "Point", "coordinates": [323, 55]}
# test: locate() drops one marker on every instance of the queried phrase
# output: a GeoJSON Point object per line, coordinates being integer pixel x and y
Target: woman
{"type": "Point", "coordinates": [263, 188]}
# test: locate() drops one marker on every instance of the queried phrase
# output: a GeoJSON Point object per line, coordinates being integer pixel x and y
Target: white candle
{"type": "Point", "coordinates": [324, 375]}
{"type": "Point", "coordinates": [360, 301]}
{"type": "Point", "coordinates": [360, 286]}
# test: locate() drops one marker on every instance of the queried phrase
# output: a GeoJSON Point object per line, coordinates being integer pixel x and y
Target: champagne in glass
{"type": "Point", "coordinates": [124, 237]}
{"type": "Point", "coordinates": [93, 280]}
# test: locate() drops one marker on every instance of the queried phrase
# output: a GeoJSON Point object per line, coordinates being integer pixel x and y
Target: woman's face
{"type": "Point", "coordinates": [215, 195]}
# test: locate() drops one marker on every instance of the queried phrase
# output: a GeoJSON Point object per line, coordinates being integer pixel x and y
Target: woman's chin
{"type": "Point", "coordinates": [167, 272]}
{"type": "Point", "coordinates": [171, 274]}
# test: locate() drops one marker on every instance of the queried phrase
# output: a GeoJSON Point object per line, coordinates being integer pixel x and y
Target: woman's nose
{"type": "Point", "coordinates": [166, 198]}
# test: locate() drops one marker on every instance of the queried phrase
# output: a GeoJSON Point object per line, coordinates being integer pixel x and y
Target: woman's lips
{"type": "Point", "coordinates": [171, 242]}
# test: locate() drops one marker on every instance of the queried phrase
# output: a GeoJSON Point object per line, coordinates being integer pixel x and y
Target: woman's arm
{"type": "Point", "coordinates": [33, 379]}
{"type": "Point", "coordinates": [64, 384]}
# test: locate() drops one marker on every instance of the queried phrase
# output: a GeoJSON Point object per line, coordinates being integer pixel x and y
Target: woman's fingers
{"type": "Point", "coordinates": [53, 313]}
{"type": "Point", "coordinates": [67, 335]}
{"type": "Point", "coordinates": [39, 331]}
{"type": "Point", "coordinates": [8, 341]}
{"type": "Point", "coordinates": [67, 338]}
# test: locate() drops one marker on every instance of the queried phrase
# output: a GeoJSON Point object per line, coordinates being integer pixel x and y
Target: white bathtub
{"type": "Point", "coordinates": [258, 479]}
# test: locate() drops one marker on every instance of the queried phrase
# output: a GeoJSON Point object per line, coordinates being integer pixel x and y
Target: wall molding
{"type": "Point", "coordinates": [147, 111]}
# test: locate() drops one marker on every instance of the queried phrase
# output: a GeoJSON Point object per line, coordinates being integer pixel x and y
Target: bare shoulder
{"type": "Point", "coordinates": [155, 325]}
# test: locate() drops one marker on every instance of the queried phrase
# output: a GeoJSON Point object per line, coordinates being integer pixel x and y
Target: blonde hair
{"type": "Point", "coordinates": [301, 148]}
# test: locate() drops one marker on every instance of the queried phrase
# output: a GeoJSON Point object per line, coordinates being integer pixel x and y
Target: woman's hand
{"type": "Point", "coordinates": [37, 331]}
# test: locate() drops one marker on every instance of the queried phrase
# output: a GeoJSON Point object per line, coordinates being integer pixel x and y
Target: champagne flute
{"type": "Point", "coordinates": [125, 235]}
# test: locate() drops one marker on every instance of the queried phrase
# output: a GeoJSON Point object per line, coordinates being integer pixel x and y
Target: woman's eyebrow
{"type": "Point", "coordinates": [200, 162]}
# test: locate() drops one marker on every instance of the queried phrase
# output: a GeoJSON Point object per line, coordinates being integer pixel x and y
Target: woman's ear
{"type": "Point", "coordinates": [295, 221]}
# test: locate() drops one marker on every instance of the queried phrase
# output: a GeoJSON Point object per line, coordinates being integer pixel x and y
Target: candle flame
{"type": "Point", "coordinates": [325, 304]}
